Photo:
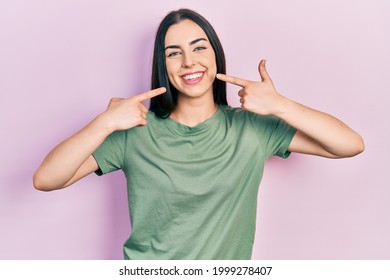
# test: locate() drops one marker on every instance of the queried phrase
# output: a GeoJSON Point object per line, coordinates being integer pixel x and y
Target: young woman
{"type": "Point", "coordinates": [193, 164]}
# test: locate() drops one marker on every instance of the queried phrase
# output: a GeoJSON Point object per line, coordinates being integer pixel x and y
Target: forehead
{"type": "Point", "coordinates": [184, 32]}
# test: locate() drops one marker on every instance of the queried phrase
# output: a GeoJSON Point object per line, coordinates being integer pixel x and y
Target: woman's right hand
{"type": "Point", "coordinates": [72, 159]}
{"type": "Point", "coordinates": [125, 113]}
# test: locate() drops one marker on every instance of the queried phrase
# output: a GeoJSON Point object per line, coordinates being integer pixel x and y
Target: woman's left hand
{"type": "Point", "coordinates": [318, 133]}
{"type": "Point", "coordinates": [259, 97]}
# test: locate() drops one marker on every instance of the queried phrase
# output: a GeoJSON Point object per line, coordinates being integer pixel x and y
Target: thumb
{"type": "Point", "coordinates": [263, 72]}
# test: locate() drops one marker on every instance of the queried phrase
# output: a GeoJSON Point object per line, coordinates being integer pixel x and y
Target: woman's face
{"type": "Point", "coordinates": [190, 59]}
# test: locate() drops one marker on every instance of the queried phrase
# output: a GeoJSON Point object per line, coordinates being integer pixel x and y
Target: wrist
{"type": "Point", "coordinates": [103, 123]}
{"type": "Point", "coordinates": [282, 106]}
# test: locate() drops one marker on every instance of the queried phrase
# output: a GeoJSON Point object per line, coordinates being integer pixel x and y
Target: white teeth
{"type": "Point", "coordinates": [192, 76]}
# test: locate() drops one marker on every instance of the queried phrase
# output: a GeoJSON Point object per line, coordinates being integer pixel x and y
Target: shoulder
{"type": "Point", "coordinates": [240, 114]}
{"type": "Point", "coordinates": [233, 112]}
{"type": "Point", "coordinates": [154, 118]}
{"type": "Point", "coordinates": [262, 124]}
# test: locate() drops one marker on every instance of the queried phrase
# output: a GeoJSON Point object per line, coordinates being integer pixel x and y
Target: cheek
{"type": "Point", "coordinates": [170, 66]}
{"type": "Point", "coordinates": [213, 63]}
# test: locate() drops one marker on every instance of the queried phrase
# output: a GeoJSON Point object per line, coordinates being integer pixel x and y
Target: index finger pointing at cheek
{"type": "Point", "coordinates": [150, 94]}
{"type": "Point", "coordinates": [232, 80]}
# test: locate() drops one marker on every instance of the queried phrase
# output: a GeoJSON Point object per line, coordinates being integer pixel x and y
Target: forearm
{"type": "Point", "coordinates": [62, 163]}
{"type": "Point", "coordinates": [334, 136]}
{"type": "Point", "coordinates": [318, 133]}
{"type": "Point", "coordinates": [71, 160]}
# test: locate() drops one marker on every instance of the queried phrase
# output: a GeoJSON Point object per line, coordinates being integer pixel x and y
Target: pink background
{"type": "Point", "coordinates": [61, 62]}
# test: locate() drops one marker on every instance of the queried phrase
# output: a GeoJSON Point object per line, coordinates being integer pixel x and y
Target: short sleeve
{"type": "Point", "coordinates": [275, 135]}
{"type": "Point", "coordinates": [111, 153]}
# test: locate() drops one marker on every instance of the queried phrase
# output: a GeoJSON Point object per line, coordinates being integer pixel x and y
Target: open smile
{"type": "Point", "coordinates": [192, 78]}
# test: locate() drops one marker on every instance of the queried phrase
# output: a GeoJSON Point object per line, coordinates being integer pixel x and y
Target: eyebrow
{"type": "Point", "coordinates": [191, 43]}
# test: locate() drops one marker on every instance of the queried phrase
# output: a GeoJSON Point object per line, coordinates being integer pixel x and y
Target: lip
{"type": "Point", "coordinates": [192, 81]}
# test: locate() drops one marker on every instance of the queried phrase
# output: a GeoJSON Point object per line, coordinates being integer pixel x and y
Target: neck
{"type": "Point", "coordinates": [193, 112]}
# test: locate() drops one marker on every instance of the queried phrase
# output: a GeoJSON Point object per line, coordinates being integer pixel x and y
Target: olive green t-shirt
{"type": "Point", "coordinates": [192, 191]}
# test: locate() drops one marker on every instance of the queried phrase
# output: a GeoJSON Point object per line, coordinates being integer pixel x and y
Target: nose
{"type": "Point", "coordinates": [188, 60]}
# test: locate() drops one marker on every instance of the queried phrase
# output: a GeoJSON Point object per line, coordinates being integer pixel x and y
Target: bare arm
{"type": "Point", "coordinates": [72, 159]}
{"type": "Point", "coordinates": [318, 133]}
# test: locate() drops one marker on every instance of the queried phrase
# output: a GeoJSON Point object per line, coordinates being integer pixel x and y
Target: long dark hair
{"type": "Point", "coordinates": [164, 104]}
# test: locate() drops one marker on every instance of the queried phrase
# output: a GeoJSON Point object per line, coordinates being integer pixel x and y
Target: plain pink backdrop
{"type": "Point", "coordinates": [61, 62]}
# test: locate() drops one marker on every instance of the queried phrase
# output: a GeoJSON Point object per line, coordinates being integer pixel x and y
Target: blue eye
{"type": "Point", "coordinates": [199, 48]}
{"type": "Point", "coordinates": [173, 54]}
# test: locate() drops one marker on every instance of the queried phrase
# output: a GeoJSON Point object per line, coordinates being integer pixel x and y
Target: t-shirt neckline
{"type": "Point", "coordinates": [182, 128]}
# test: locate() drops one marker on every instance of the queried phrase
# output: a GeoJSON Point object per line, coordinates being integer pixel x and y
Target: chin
{"type": "Point", "coordinates": [195, 93]}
